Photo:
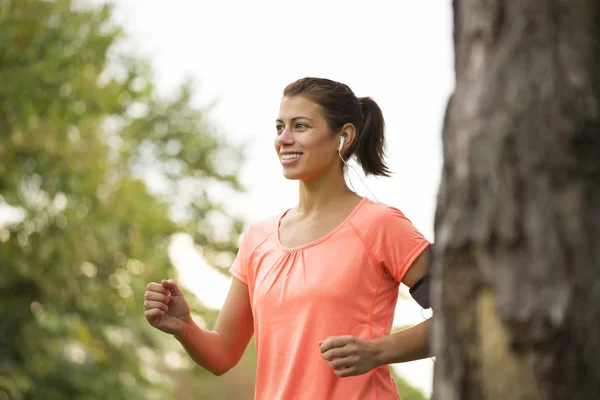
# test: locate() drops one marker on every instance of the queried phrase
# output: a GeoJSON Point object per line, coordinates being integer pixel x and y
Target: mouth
{"type": "Point", "coordinates": [287, 159]}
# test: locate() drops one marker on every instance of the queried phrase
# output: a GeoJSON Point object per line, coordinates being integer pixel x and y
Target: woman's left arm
{"type": "Point", "coordinates": [412, 343]}
{"type": "Point", "coordinates": [350, 356]}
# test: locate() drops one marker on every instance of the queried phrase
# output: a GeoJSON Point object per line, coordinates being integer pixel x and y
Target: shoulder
{"type": "Point", "coordinates": [259, 231]}
{"type": "Point", "coordinates": [264, 225]}
{"type": "Point", "coordinates": [378, 218]}
{"type": "Point", "coordinates": [390, 237]}
{"type": "Point", "coordinates": [378, 213]}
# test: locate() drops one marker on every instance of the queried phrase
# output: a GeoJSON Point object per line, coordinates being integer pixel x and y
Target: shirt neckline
{"type": "Point", "coordinates": [319, 240]}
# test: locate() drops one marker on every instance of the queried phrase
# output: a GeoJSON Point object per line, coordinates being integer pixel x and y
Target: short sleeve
{"type": "Point", "coordinates": [397, 243]}
{"type": "Point", "coordinates": [239, 268]}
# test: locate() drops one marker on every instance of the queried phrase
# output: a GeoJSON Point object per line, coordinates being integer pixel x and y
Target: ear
{"type": "Point", "coordinates": [348, 132]}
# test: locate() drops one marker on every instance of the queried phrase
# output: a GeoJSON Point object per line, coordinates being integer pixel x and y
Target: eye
{"type": "Point", "coordinates": [301, 126]}
{"type": "Point", "coordinates": [280, 128]}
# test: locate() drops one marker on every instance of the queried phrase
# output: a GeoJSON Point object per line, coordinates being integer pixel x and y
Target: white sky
{"type": "Point", "coordinates": [243, 53]}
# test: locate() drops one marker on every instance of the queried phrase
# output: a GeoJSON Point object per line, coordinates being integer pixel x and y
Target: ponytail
{"type": "Point", "coordinates": [370, 151]}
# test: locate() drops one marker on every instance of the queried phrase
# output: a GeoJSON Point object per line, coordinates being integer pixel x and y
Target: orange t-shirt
{"type": "Point", "coordinates": [345, 283]}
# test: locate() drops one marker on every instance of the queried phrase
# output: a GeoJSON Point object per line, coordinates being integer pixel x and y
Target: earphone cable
{"type": "Point", "coordinates": [357, 174]}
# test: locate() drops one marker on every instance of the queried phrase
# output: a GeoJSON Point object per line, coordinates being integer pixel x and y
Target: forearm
{"type": "Point", "coordinates": [207, 349]}
{"type": "Point", "coordinates": [407, 345]}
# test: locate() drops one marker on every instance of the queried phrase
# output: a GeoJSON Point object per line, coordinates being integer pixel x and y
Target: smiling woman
{"type": "Point", "coordinates": [318, 283]}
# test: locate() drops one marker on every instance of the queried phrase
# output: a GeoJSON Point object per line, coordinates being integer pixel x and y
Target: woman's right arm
{"type": "Point", "coordinates": [221, 349]}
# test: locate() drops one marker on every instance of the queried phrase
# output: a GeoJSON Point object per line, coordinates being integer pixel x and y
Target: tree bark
{"type": "Point", "coordinates": [517, 255]}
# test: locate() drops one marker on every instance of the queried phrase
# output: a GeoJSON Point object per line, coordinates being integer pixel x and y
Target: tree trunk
{"type": "Point", "coordinates": [517, 255]}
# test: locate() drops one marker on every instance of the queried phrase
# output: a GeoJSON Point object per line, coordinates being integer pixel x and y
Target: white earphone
{"type": "Point", "coordinates": [342, 140]}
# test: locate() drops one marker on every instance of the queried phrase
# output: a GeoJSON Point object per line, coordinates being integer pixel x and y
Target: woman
{"type": "Point", "coordinates": [317, 284]}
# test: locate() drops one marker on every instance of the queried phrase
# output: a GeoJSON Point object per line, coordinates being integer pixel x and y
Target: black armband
{"type": "Point", "coordinates": [420, 292]}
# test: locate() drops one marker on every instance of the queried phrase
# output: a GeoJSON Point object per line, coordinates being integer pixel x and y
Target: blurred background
{"type": "Point", "coordinates": [136, 144]}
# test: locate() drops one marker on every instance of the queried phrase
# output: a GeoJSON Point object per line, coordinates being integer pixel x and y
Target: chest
{"type": "Point", "coordinates": [336, 274]}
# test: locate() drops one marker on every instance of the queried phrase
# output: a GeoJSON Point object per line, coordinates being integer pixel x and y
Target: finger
{"type": "Point", "coordinates": [335, 353]}
{"type": "Point", "coordinates": [153, 313]}
{"type": "Point", "coordinates": [342, 373]}
{"type": "Point", "coordinates": [334, 342]}
{"type": "Point", "coordinates": [345, 362]}
{"type": "Point", "coordinates": [149, 304]}
{"type": "Point", "coordinates": [156, 297]}
{"type": "Point", "coordinates": [157, 287]}
{"type": "Point", "coordinates": [172, 287]}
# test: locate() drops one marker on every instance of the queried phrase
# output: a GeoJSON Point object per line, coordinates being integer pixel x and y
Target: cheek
{"type": "Point", "coordinates": [323, 147]}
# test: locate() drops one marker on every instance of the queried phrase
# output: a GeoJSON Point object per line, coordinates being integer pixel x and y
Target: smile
{"type": "Point", "coordinates": [287, 159]}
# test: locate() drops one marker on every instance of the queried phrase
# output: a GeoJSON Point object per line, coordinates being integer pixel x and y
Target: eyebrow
{"type": "Point", "coordinates": [295, 118]}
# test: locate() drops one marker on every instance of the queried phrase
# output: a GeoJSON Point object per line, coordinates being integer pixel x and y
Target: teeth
{"type": "Point", "coordinates": [290, 156]}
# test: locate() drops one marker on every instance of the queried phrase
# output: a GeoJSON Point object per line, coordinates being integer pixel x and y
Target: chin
{"type": "Point", "coordinates": [295, 175]}
{"type": "Point", "coordinates": [290, 176]}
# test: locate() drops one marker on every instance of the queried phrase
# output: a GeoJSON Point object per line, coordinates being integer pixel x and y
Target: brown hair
{"type": "Point", "coordinates": [341, 106]}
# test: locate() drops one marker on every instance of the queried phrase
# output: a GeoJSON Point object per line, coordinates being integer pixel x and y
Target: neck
{"type": "Point", "coordinates": [323, 192]}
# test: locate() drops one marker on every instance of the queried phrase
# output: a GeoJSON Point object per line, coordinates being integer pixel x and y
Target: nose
{"type": "Point", "coordinates": [286, 137]}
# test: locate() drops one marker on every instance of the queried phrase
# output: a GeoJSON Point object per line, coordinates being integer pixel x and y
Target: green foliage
{"type": "Point", "coordinates": [99, 172]}
{"type": "Point", "coordinates": [80, 128]}
{"type": "Point", "coordinates": [407, 392]}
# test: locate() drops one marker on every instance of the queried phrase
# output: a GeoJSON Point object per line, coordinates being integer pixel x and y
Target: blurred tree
{"type": "Point", "coordinates": [82, 133]}
{"type": "Point", "coordinates": [518, 218]}
{"type": "Point", "coordinates": [99, 172]}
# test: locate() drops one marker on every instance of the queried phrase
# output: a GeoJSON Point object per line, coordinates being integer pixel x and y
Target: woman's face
{"type": "Point", "coordinates": [304, 144]}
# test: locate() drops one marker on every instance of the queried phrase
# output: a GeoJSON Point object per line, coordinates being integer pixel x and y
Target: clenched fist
{"type": "Point", "coordinates": [166, 308]}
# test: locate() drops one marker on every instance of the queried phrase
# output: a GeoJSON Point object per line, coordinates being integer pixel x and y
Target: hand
{"type": "Point", "coordinates": [166, 308]}
{"type": "Point", "coordinates": [348, 355]}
